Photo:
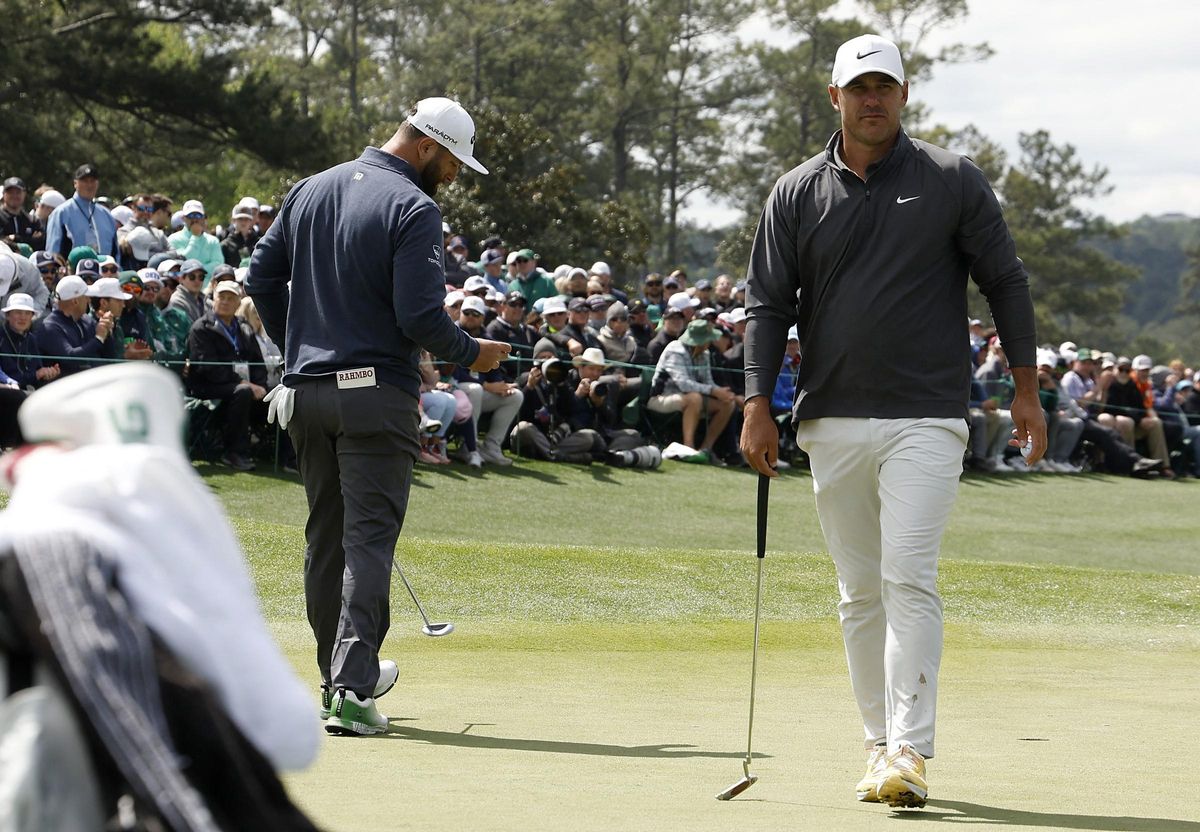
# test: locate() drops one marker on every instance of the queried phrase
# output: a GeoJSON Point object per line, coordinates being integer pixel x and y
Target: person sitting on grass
{"type": "Point", "coordinates": [684, 377]}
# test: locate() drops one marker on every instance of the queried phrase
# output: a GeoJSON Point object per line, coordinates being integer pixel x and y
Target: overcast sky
{"type": "Point", "coordinates": [1119, 80]}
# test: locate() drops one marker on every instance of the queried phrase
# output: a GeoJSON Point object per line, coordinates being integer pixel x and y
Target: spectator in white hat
{"type": "Point", "coordinates": [681, 302]}
{"type": "Point", "coordinates": [22, 361]}
{"type": "Point", "coordinates": [227, 366]}
{"type": "Point", "coordinates": [70, 337]}
{"type": "Point", "coordinates": [601, 272]}
{"type": "Point", "coordinates": [239, 243]}
{"type": "Point", "coordinates": [489, 391]}
{"type": "Point", "coordinates": [193, 241]}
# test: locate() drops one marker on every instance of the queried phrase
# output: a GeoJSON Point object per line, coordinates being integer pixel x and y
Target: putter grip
{"type": "Point", "coordinates": [764, 483]}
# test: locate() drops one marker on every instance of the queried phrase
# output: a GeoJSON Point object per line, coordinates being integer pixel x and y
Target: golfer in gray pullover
{"type": "Point", "coordinates": [867, 248]}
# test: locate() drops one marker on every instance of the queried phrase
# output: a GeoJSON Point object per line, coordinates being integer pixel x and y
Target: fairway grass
{"type": "Point", "coordinates": [598, 676]}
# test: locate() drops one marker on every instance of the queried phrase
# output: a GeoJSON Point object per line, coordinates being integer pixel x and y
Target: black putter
{"type": "Point", "coordinates": [748, 779]}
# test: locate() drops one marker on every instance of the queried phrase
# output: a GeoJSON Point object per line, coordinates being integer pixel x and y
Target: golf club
{"type": "Point", "coordinates": [429, 629]}
{"type": "Point", "coordinates": [749, 779]}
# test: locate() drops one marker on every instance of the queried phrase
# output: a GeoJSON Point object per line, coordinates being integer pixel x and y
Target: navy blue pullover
{"type": "Point", "coordinates": [361, 244]}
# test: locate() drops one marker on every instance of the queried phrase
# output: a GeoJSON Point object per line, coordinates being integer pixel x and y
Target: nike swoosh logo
{"type": "Point", "coordinates": [900, 200]}
{"type": "Point", "coordinates": [865, 54]}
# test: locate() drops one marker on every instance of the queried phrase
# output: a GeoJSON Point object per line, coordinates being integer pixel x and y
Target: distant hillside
{"type": "Point", "coordinates": [1157, 247]}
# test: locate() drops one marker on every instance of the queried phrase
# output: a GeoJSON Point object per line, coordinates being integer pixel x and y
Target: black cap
{"type": "Point", "coordinates": [672, 312]}
{"type": "Point", "coordinates": [577, 305]}
{"type": "Point", "coordinates": [515, 299]}
{"type": "Point", "coordinates": [223, 270]}
{"type": "Point", "coordinates": [636, 306]}
{"type": "Point", "coordinates": [84, 171]}
{"type": "Point", "coordinates": [14, 182]}
{"type": "Point", "coordinates": [493, 242]}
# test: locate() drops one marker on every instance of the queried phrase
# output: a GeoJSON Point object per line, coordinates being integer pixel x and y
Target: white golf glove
{"type": "Point", "coordinates": [279, 405]}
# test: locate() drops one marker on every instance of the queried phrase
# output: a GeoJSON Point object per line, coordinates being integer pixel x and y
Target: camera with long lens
{"type": "Point", "coordinates": [554, 370]}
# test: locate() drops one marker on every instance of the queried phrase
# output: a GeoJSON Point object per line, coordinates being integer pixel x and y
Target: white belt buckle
{"type": "Point", "coordinates": [361, 377]}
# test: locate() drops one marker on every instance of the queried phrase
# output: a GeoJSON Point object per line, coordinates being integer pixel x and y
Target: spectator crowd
{"type": "Point", "coordinates": [601, 372]}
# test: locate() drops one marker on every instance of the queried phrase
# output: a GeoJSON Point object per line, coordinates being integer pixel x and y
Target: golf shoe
{"type": "Point", "coordinates": [388, 674]}
{"type": "Point", "coordinates": [867, 789]}
{"type": "Point", "coordinates": [352, 716]}
{"type": "Point", "coordinates": [902, 783]}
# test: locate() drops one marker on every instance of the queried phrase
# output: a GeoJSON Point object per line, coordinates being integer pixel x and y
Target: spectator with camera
{"type": "Point", "coordinates": [683, 383]}
{"type": "Point", "coordinates": [227, 366]}
{"type": "Point", "coordinates": [544, 428]}
{"type": "Point", "coordinates": [597, 407]}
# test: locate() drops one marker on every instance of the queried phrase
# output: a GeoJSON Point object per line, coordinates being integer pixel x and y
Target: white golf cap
{"type": "Point", "coordinates": [21, 302]}
{"type": "Point", "coordinates": [473, 303]}
{"type": "Point", "coordinates": [600, 267]}
{"type": "Point", "coordinates": [123, 214]}
{"type": "Point", "coordinates": [150, 276]}
{"type": "Point", "coordinates": [867, 53]}
{"type": "Point", "coordinates": [737, 315]}
{"type": "Point", "coordinates": [108, 287]}
{"type": "Point", "coordinates": [71, 287]}
{"type": "Point", "coordinates": [474, 283]}
{"type": "Point", "coordinates": [226, 287]}
{"type": "Point", "coordinates": [512, 258]}
{"type": "Point", "coordinates": [248, 202]}
{"type": "Point", "coordinates": [52, 199]}
{"type": "Point", "coordinates": [681, 301]}
{"type": "Point", "coordinates": [454, 297]}
{"type": "Point", "coordinates": [553, 306]}
{"type": "Point", "coordinates": [593, 356]}
{"type": "Point", "coordinates": [447, 123]}
{"type": "Point", "coordinates": [1142, 362]}
{"type": "Point", "coordinates": [193, 206]}
{"type": "Point", "coordinates": [241, 212]}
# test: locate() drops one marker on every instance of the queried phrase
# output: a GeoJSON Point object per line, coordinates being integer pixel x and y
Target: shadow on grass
{"type": "Point", "coordinates": [467, 740]}
{"type": "Point", "coordinates": [976, 815]}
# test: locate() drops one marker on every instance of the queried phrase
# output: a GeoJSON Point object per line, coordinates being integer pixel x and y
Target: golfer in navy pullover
{"type": "Point", "coordinates": [349, 281]}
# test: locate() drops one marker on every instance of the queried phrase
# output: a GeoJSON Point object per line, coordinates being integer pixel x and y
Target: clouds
{"type": "Point", "coordinates": [1118, 81]}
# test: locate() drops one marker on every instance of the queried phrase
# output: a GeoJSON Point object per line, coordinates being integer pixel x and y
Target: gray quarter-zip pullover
{"type": "Point", "coordinates": [874, 276]}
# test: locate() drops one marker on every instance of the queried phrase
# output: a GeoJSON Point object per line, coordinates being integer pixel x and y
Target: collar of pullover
{"type": "Point", "coordinates": [383, 159]}
{"type": "Point", "coordinates": [834, 157]}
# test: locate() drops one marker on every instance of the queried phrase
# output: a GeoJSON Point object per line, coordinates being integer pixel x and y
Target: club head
{"type": "Point", "coordinates": [435, 630]}
{"type": "Point", "coordinates": [738, 787]}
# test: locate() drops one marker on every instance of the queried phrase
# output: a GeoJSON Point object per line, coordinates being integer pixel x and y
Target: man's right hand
{"type": "Point", "coordinates": [491, 353]}
{"type": "Point", "coordinates": [760, 437]}
{"type": "Point", "coordinates": [104, 326]}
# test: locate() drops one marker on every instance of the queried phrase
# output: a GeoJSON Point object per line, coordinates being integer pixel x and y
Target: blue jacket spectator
{"type": "Point", "coordinates": [80, 221]}
{"type": "Point", "coordinates": [70, 338]}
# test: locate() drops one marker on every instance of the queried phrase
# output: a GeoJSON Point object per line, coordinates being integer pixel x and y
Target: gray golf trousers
{"type": "Point", "coordinates": [356, 450]}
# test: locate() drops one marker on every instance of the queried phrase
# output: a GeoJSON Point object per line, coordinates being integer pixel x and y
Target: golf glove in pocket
{"type": "Point", "coordinates": [279, 405]}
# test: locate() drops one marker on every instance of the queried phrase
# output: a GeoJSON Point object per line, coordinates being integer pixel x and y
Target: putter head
{"type": "Point", "coordinates": [738, 787]}
{"type": "Point", "coordinates": [436, 630]}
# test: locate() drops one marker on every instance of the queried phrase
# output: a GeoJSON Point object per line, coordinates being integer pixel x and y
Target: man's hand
{"type": "Point", "coordinates": [138, 351]}
{"type": "Point", "coordinates": [722, 394]}
{"type": "Point", "coordinates": [760, 437]}
{"type": "Point", "coordinates": [535, 375]}
{"type": "Point", "coordinates": [574, 347]}
{"type": "Point", "coordinates": [48, 373]}
{"type": "Point", "coordinates": [104, 326]}
{"type": "Point", "coordinates": [1028, 418]}
{"type": "Point", "coordinates": [491, 353]}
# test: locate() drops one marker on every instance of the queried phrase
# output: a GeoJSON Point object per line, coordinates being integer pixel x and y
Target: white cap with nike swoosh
{"type": "Point", "coordinates": [867, 53]}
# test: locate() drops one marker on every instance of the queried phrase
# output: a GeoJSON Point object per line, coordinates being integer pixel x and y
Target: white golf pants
{"type": "Point", "coordinates": [884, 491]}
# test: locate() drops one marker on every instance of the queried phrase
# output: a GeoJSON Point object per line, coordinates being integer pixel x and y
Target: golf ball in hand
{"type": "Point", "coordinates": [1027, 448]}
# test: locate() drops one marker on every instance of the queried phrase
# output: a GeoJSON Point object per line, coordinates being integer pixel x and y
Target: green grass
{"type": "Point", "coordinates": [597, 678]}
{"type": "Point", "coordinates": [564, 544]}
{"type": "Point", "coordinates": [1081, 520]}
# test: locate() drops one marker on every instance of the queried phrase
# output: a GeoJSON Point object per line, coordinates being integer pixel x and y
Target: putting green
{"type": "Point", "coordinates": [573, 731]}
{"type": "Point", "coordinates": [599, 674]}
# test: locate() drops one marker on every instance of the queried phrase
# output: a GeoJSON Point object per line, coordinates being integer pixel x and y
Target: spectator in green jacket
{"type": "Point", "coordinates": [193, 242]}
